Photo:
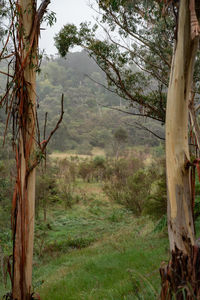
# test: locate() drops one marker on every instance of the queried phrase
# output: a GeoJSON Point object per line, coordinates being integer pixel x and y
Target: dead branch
{"type": "Point", "coordinates": [130, 113]}
{"type": "Point", "coordinates": [140, 126]}
{"type": "Point", "coordinates": [57, 125]}
{"type": "Point", "coordinates": [44, 143]}
{"type": "Point", "coordinates": [6, 74]}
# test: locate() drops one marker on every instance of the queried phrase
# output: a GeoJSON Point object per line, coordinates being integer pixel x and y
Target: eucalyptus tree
{"type": "Point", "coordinates": [26, 64]}
{"type": "Point", "coordinates": [181, 277]}
{"type": "Point", "coordinates": [134, 57]}
{"type": "Point", "coordinates": [20, 101]}
{"type": "Point", "coordinates": [136, 52]}
{"type": "Point", "coordinates": [161, 38]}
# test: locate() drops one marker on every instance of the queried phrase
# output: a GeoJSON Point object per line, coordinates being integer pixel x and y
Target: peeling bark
{"type": "Point", "coordinates": [180, 216]}
{"type": "Point", "coordinates": [180, 221]}
{"type": "Point", "coordinates": [180, 278]}
{"type": "Point", "coordinates": [23, 225]}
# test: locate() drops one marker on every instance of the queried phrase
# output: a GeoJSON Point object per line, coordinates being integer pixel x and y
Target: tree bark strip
{"type": "Point", "coordinates": [181, 228]}
{"type": "Point", "coordinates": [24, 211]}
{"type": "Point", "coordinates": [177, 276]}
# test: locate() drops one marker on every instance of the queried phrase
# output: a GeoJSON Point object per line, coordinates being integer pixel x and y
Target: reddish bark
{"type": "Point", "coordinates": [181, 277]}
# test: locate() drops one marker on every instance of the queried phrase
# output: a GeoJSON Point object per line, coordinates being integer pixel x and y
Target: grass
{"type": "Point", "coordinates": [70, 154]}
{"type": "Point", "coordinates": [104, 274]}
{"type": "Point", "coordinates": [96, 250]}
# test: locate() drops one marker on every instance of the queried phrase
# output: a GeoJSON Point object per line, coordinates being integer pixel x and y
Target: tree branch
{"type": "Point", "coordinates": [147, 129]}
{"type": "Point", "coordinates": [42, 9]}
{"type": "Point", "coordinates": [130, 113]}
{"type": "Point", "coordinates": [44, 143]}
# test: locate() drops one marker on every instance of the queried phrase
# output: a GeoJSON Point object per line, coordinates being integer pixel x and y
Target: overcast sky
{"type": "Point", "coordinates": [67, 11]}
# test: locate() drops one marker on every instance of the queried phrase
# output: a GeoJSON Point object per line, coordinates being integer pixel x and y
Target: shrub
{"type": "Point", "coordinates": [86, 170]}
{"type": "Point", "coordinates": [46, 190]}
{"type": "Point", "coordinates": [143, 191]}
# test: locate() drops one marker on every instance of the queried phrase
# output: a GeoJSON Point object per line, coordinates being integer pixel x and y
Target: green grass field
{"type": "Point", "coordinates": [97, 250]}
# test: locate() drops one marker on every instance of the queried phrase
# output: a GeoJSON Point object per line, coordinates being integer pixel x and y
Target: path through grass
{"type": "Point", "coordinates": [97, 250]}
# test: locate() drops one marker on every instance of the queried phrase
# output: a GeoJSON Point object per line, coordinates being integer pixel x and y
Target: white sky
{"type": "Point", "coordinates": [67, 11]}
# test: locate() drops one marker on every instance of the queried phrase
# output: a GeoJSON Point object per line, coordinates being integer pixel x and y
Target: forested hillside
{"type": "Point", "coordinates": [82, 200]}
{"type": "Point", "coordinates": [87, 123]}
{"type": "Point", "coordinates": [91, 223]}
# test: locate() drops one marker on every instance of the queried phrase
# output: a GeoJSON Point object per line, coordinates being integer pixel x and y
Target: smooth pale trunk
{"type": "Point", "coordinates": [180, 217]}
{"type": "Point", "coordinates": [180, 277]}
{"type": "Point", "coordinates": [24, 233]}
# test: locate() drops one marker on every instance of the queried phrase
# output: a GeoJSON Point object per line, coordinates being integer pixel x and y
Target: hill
{"type": "Point", "coordinates": [87, 123]}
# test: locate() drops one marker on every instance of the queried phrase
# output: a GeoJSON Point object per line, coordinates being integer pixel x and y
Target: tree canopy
{"type": "Point", "coordinates": [136, 52]}
{"type": "Point", "coordinates": [133, 55]}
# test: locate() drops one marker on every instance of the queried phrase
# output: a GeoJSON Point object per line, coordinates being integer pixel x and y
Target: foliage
{"type": "Point", "coordinates": [113, 257]}
{"type": "Point", "coordinates": [50, 18]}
{"type": "Point", "coordinates": [86, 123]}
{"type": "Point", "coordinates": [129, 66]}
{"type": "Point", "coordinates": [86, 170]}
{"type": "Point", "coordinates": [46, 188]}
{"type": "Point", "coordinates": [67, 176]}
{"type": "Point", "coordinates": [73, 237]}
{"type": "Point", "coordinates": [197, 197]}
{"type": "Point", "coordinates": [7, 174]}
{"type": "Point", "coordinates": [156, 204]}
{"type": "Point", "coordinates": [161, 224]}
{"type": "Point", "coordinates": [120, 138]}
{"type": "Point", "coordinates": [141, 189]}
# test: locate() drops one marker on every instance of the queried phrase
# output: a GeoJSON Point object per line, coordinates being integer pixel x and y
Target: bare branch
{"type": "Point", "coordinates": [44, 143]}
{"type": "Point", "coordinates": [149, 130]}
{"type": "Point", "coordinates": [140, 126]}
{"type": "Point", "coordinates": [130, 113]}
{"type": "Point", "coordinates": [6, 74]}
{"type": "Point", "coordinates": [57, 125]}
{"type": "Point", "coordinates": [100, 84]}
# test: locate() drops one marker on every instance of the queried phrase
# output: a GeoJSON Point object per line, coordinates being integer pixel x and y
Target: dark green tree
{"type": "Point", "coordinates": [120, 138]}
{"type": "Point", "coordinates": [137, 62]}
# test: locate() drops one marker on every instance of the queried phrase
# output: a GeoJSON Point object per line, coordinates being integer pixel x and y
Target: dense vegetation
{"type": "Point", "coordinates": [94, 215]}
{"type": "Point", "coordinates": [101, 188]}
{"type": "Point", "coordinates": [87, 123]}
{"type": "Point", "coordinates": [78, 207]}
{"type": "Point", "coordinates": [81, 200]}
{"type": "Point", "coordinates": [118, 189]}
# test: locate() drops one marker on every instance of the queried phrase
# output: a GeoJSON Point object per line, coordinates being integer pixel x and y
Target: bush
{"type": "Point", "coordinates": [84, 148]}
{"type": "Point", "coordinates": [46, 189]}
{"type": "Point", "coordinates": [156, 204]}
{"type": "Point", "coordinates": [85, 171]}
{"type": "Point", "coordinates": [129, 191]}
{"type": "Point", "coordinates": [6, 190]}
{"type": "Point", "coordinates": [143, 191]}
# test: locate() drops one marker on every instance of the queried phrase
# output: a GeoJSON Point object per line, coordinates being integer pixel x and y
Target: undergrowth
{"type": "Point", "coordinates": [95, 250]}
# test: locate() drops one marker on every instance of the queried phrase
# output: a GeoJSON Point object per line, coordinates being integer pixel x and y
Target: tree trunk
{"type": "Point", "coordinates": [180, 277]}
{"type": "Point", "coordinates": [25, 189]}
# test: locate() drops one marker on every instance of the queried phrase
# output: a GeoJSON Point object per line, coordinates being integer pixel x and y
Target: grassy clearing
{"type": "Point", "coordinates": [122, 263]}
{"type": "Point", "coordinates": [67, 155]}
{"type": "Point", "coordinates": [63, 155]}
{"type": "Point", "coordinates": [97, 250]}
